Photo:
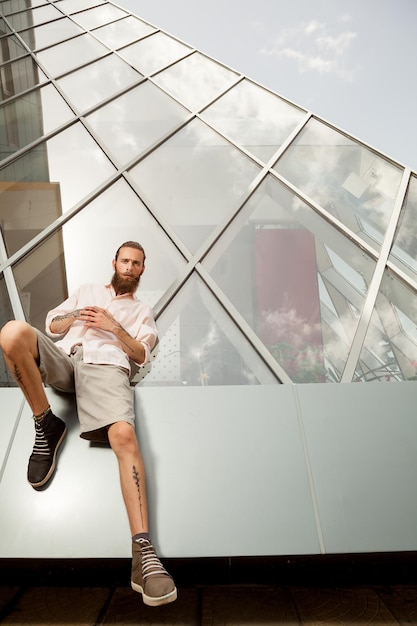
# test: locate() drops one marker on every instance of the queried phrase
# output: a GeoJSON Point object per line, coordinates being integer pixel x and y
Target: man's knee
{"type": "Point", "coordinates": [122, 437]}
{"type": "Point", "coordinates": [17, 335]}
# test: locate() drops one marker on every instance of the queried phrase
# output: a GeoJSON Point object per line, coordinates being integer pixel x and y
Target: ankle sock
{"type": "Point", "coordinates": [141, 536]}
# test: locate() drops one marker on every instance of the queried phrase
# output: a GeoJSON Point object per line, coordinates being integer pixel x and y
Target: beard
{"type": "Point", "coordinates": [124, 284]}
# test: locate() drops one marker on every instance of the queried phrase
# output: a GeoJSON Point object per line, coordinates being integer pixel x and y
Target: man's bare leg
{"type": "Point", "coordinates": [149, 577]}
{"type": "Point", "coordinates": [19, 342]}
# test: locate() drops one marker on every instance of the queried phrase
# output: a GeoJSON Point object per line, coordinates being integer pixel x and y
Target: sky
{"type": "Point", "coordinates": [352, 63]}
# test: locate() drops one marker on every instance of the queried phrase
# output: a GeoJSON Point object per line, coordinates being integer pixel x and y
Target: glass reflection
{"type": "Point", "coordinates": [6, 314]}
{"type": "Point", "coordinates": [124, 31]}
{"type": "Point", "coordinates": [11, 48]}
{"type": "Point", "coordinates": [278, 265]}
{"type": "Point", "coordinates": [390, 347]}
{"type": "Point", "coordinates": [50, 34]}
{"type": "Point", "coordinates": [30, 117]}
{"type": "Point", "coordinates": [19, 76]}
{"type": "Point", "coordinates": [153, 53]}
{"type": "Point", "coordinates": [90, 85]}
{"type": "Point", "coordinates": [41, 281]}
{"type": "Point", "coordinates": [201, 346]}
{"type": "Point", "coordinates": [70, 54]}
{"type": "Point", "coordinates": [131, 220]}
{"type": "Point", "coordinates": [404, 250]}
{"type": "Point", "coordinates": [196, 80]}
{"type": "Point", "coordinates": [195, 180]}
{"type": "Point", "coordinates": [351, 182]}
{"type": "Point", "coordinates": [4, 28]}
{"type": "Point", "coordinates": [136, 120]}
{"type": "Point", "coordinates": [47, 181]}
{"type": "Point", "coordinates": [255, 118]}
{"type": "Point", "coordinates": [35, 16]}
{"type": "Point", "coordinates": [98, 16]}
{"type": "Point", "coordinates": [72, 6]}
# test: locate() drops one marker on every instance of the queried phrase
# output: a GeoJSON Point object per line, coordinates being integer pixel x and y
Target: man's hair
{"type": "Point", "coordinates": [130, 244]}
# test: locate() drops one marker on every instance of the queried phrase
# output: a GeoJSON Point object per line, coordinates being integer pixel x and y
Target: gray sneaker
{"type": "Point", "coordinates": [149, 577]}
{"type": "Point", "coordinates": [50, 432]}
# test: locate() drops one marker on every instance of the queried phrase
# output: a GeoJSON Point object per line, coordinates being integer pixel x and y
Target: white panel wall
{"type": "Point", "coordinates": [232, 471]}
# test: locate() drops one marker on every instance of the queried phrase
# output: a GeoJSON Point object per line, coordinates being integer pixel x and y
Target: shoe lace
{"type": "Point", "coordinates": [151, 565]}
{"type": "Point", "coordinates": [41, 445]}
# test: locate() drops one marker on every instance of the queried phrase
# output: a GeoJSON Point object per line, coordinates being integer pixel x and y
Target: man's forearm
{"type": "Point", "coordinates": [61, 323]}
{"type": "Point", "coordinates": [133, 348]}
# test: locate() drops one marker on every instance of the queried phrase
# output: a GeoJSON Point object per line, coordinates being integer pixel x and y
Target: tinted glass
{"type": "Point", "coordinates": [36, 16]}
{"type": "Point", "coordinates": [298, 283]}
{"type": "Point", "coordinates": [254, 118]}
{"type": "Point", "coordinates": [50, 34]}
{"type": "Point", "coordinates": [19, 76]}
{"type": "Point", "coordinates": [404, 250]}
{"type": "Point", "coordinates": [390, 347]}
{"type": "Point", "coordinates": [196, 80]}
{"type": "Point", "coordinates": [153, 53]}
{"type": "Point", "coordinates": [90, 85]}
{"type": "Point", "coordinates": [201, 346]}
{"type": "Point", "coordinates": [133, 122]}
{"type": "Point", "coordinates": [195, 180]}
{"type": "Point", "coordinates": [98, 16]}
{"type": "Point", "coordinates": [352, 183]}
{"type": "Point", "coordinates": [68, 55]}
{"type": "Point", "coordinates": [11, 48]}
{"type": "Point", "coordinates": [122, 32]}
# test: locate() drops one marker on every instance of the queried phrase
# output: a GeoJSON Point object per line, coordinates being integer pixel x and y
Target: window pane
{"type": "Point", "coordinates": [33, 17]}
{"type": "Point", "coordinates": [6, 314]}
{"type": "Point", "coordinates": [96, 82]}
{"type": "Point", "coordinates": [390, 347]}
{"type": "Point", "coordinates": [195, 179]}
{"type": "Point", "coordinates": [351, 182]}
{"type": "Point", "coordinates": [153, 53]}
{"type": "Point", "coordinates": [72, 6]}
{"type": "Point", "coordinates": [196, 80]}
{"type": "Point", "coordinates": [37, 188]}
{"type": "Point", "coordinates": [70, 54]}
{"type": "Point", "coordinates": [30, 117]}
{"type": "Point", "coordinates": [98, 16]}
{"type": "Point", "coordinates": [404, 250]}
{"type": "Point", "coordinates": [125, 31]}
{"type": "Point", "coordinates": [133, 221]}
{"type": "Point", "coordinates": [136, 120]}
{"type": "Point", "coordinates": [41, 280]}
{"type": "Point", "coordinates": [254, 118]}
{"type": "Point", "coordinates": [11, 48]}
{"type": "Point", "coordinates": [19, 76]}
{"type": "Point", "coordinates": [50, 34]}
{"type": "Point", "coordinates": [278, 266]}
{"type": "Point", "coordinates": [201, 346]}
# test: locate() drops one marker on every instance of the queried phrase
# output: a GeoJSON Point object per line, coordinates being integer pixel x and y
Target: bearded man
{"type": "Point", "coordinates": [97, 339]}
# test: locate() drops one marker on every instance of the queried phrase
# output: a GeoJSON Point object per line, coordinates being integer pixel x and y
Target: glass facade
{"type": "Point", "coordinates": [279, 248]}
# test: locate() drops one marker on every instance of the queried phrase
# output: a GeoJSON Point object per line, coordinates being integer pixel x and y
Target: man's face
{"type": "Point", "coordinates": [128, 269]}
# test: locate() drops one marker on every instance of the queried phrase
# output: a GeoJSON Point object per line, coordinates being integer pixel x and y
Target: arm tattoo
{"type": "Point", "coordinates": [136, 479]}
{"type": "Point", "coordinates": [121, 340]}
{"type": "Point", "coordinates": [67, 316]}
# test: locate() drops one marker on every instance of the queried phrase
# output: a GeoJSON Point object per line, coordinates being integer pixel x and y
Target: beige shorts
{"type": "Point", "coordinates": [103, 392]}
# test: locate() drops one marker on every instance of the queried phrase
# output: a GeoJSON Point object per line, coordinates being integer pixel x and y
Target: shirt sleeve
{"type": "Point", "coordinates": [70, 304]}
{"type": "Point", "coordinates": [147, 334]}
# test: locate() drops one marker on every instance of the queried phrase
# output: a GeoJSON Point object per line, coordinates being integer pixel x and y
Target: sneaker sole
{"type": "Point", "coordinates": [49, 475]}
{"type": "Point", "coordinates": [150, 601]}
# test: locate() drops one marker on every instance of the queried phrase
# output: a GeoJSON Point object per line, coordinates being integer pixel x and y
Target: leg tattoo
{"type": "Point", "coordinates": [136, 478]}
{"type": "Point", "coordinates": [19, 379]}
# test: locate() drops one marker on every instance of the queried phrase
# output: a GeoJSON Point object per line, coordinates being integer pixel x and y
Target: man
{"type": "Point", "coordinates": [102, 333]}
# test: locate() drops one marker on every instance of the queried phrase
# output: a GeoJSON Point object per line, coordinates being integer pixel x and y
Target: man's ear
{"type": "Point", "coordinates": [113, 264]}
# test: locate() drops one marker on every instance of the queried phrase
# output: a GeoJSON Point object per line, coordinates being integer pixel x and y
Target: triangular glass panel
{"type": "Point", "coordinates": [404, 250]}
{"type": "Point", "coordinates": [153, 53]}
{"type": "Point", "coordinates": [390, 346]}
{"type": "Point", "coordinates": [277, 264]}
{"type": "Point", "coordinates": [196, 80]}
{"type": "Point", "coordinates": [348, 180]}
{"type": "Point", "coordinates": [133, 122]}
{"type": "Point", "coordinates": [200, 345]}
{"type": "Point", "coordinates": [255, 118]}
{"type": "Point", "coordinates": [194, 180]}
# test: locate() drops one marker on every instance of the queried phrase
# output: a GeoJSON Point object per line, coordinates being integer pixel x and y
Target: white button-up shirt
{"type": "Point", "coordinates": [101, 346]}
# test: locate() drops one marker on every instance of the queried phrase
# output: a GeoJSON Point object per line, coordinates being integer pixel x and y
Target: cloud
{"type": "Point", "coordinates": [314, 47]}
